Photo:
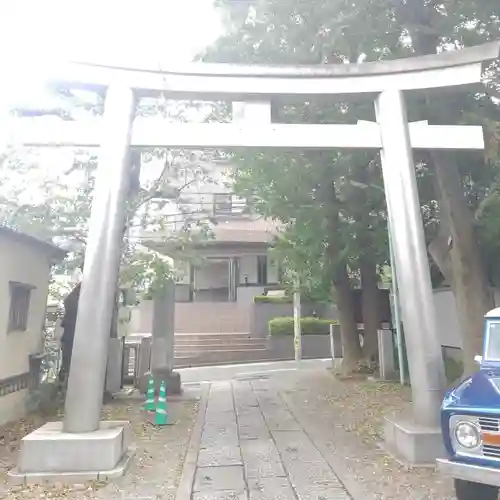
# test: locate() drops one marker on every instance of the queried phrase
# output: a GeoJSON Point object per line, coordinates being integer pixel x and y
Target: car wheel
{"type": "Point", "coordinates": [465, 490]}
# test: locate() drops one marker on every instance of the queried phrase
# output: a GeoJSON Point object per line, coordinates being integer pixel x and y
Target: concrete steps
{"type": "Point", "coordinates": [211, 349]}
{"type": "Point", "coordinates": [217, 340]}
{"type": "Point", "coordinates": [219, 358]}
{"type": "Point", "coordinates": [205, 349]}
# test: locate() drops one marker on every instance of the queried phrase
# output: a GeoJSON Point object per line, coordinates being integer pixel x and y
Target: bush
{"type": "Point", "coordinates": [270, 299]}
{"type": "Point", "coordinates": [309, 326]}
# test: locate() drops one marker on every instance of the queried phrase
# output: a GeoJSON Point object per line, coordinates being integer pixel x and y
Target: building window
{"type": "Point", "coordinates": [262, 269]}
{"type": "Point", "coordinates": [223, 203]}
{"type": "Point", "coordinates": [20, 295]}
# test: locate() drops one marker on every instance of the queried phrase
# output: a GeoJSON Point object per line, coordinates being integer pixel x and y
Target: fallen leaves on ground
{"type": "Point", "coordinates": [351, 415]}
{"type": "Point", "coordinates": [365, 403]}
{"type": "Point", "coordinates": [149, 465]}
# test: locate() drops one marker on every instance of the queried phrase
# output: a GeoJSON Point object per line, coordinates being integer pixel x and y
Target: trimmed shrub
{"type": "Point", "coordinates": [309, 326]}
{"type": "Point", "coordinates": [270, 299]}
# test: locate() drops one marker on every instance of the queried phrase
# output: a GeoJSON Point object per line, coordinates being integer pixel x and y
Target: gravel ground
{"type": "Point", "coordinates": [348, 415]}
{"type": "Point", "coordinates": [155, 469]}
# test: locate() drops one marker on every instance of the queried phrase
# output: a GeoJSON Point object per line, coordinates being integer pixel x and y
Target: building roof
{"type": "Point", "coordinates": [245, 231]}
{"type": "Point", "coordinates": [44, 246]}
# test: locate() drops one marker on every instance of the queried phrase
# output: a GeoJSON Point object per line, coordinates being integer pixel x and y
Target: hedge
{"type": "Point", "coordinates": [309, 326]}
{"type": "Point", "coordinates": [272, 299]}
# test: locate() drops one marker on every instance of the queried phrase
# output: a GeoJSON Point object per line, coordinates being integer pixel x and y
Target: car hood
{"type": "Point", "coordinates": [481, 390]}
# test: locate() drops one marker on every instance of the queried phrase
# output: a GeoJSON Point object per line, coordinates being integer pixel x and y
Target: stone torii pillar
{"type": "Point", "coordinates": [163, 341]}
{"type": "Point", "coordinates": [83, 445]}
{"type": "Point", "coordinates": [102, 263]}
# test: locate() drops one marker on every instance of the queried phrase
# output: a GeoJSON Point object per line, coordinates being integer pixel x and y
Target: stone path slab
{"type": "Point", "coordinates": [251, 447]}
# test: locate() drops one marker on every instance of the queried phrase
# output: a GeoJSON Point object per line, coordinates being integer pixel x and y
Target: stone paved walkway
{"type": "Point", "coordinates": [249, 446]}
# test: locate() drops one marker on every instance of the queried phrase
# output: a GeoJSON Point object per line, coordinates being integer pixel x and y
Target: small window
{"type": "Point", "coordinates": [20, 295]}
{"type": "Point", "coordinates": [223, 203]}
{"type": "Point", "coordinates": [492, 341]}
{"type": "Point", "coordinates": [262, 269]}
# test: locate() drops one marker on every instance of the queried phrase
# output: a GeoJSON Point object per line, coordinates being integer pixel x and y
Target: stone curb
{"type": "Point", "coordinates": [185, 488]}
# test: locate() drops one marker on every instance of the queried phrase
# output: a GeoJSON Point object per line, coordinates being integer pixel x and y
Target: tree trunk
{"type": "Point", "coordinates": [470, 285]}
{"type": "Point", "coordinates": [370, 307]}
{"type": "Point", "coordinates": [350, 340]}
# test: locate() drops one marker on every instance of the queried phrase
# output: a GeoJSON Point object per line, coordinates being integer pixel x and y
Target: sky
{"type": "Point", "coordinates": [36, 35]}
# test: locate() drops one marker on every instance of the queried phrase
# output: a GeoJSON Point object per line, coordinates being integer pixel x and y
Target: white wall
{"type": "Point", "coordinates": [246, 294]}
{"type": "Point", "coordinates": [446, 318]}
{"type": "Point", "coordinates": [449, 328]}
{"type": "Point", "coordinates": [25, 264]}
{"type": "Point", "coordinates": [142, 317]}
{"type": "Point", "coordinates": [272, 270]}
{"type": "Point", "coordinates": [248, 267]}
{"type": "Point", "coordinates": [213, 274]}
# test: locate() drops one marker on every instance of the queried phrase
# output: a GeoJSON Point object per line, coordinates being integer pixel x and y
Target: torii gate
{"type": "Point", "coordinates": [255, 86]}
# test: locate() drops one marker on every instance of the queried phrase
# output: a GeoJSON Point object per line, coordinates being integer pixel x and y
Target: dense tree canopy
{"type": "Point", "coordinates": [48, 193]}
{"type": "Point", "coordinates": [458, 191]}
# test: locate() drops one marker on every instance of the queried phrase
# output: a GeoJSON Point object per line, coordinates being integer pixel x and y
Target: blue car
{"type": "Point", "coordinates": [470, 420]}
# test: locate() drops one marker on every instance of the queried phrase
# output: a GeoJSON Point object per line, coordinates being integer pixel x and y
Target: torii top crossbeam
{"type": "Point", "coordinates": [242, 82]}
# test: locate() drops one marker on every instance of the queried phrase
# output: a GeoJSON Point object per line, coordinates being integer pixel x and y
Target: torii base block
{"type": "Point", "coordinates": [411, 444]}
{"type": "Point", "coordinates": [171, 378]}
{"type": "Point", "coordinates": [49, 455]}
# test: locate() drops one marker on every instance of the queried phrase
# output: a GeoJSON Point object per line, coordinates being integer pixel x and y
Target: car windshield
{"type": "Point", "coordinates": [493, 345]}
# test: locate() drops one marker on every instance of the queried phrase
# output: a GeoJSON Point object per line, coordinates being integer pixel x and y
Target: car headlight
{"type": "Point", "coordinates": [467, 435]}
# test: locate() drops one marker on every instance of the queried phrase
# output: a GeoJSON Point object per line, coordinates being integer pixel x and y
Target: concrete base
{"type": "Point", "coordinates": [412, 444]}
{"type": "Point", "coordinates": [51, 455]}
{"type": "Point", "coordinates": [171, 378]}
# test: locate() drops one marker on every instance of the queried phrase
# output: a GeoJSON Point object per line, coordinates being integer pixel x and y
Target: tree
{"type": "Point", "coordinates": [48, 193]}
{"type": "Point", "coordinates": [326, 240]}
{"type": "Point", "coordinates": [307, 193]}
{"type": "Point", "coordinates": [320, 32]}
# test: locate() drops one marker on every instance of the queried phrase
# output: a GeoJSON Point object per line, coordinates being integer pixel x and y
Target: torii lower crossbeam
{"type": "Point", "coordinates": [160, 133]}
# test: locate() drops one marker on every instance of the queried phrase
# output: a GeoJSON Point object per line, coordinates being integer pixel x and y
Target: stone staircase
{"type": "Point", "coordinates": [204, 349]}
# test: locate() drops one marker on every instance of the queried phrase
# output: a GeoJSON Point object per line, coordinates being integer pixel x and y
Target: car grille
{"type": "Point", "coordinates": [491, 451]}
{"type": "Point", "coordinates": [489, 424]}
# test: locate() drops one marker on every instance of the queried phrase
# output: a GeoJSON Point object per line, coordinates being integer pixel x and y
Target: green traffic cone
{"type": "Point", "coordinates": [149, 405]}
{"type": "Point", "coordinates": [161, 415]}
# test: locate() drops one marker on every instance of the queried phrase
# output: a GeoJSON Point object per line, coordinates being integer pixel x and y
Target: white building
{"type": "Point", "coordinates": [24, 278]}
{"type": "Point", "coordinates": [216, 294]}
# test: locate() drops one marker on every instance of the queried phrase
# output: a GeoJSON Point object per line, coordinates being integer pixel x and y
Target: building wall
{"type": "Point", "coordinates": [448, 325]}
{"type": "Point", "coordinates": [248, 267]}
{"type": "Point", "coordinates": [214, 274]}
{"type": "Point", "coordinates": [211, 313]}
{"type": "Point", "coordinates": [25, 264]}
{"type": "Point", "coordinates": [203, 317]}
{"type": "Point", "coordinates": [245, 295]}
